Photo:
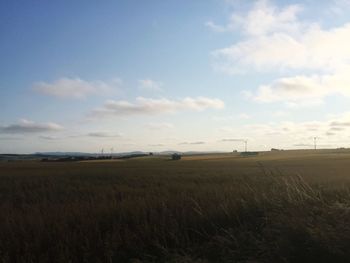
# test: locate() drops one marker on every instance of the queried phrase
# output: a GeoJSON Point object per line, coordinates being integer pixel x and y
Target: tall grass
{"type": "Point", "coordinates": [164, 212]}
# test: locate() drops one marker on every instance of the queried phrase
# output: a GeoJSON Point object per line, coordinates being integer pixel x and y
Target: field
{"type": "Point", "coordinates": [288, 206]}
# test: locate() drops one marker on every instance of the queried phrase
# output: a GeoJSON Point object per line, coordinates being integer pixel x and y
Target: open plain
{"type": "Point", "coordinates": [283, 206]}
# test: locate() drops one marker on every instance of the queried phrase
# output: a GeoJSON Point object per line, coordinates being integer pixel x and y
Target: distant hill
{"type": "Point", "coordinates": [64, 154]}
{"type": "Point", "coordinates": [58, 154]}
{"type": "Point", "coordinates": [169, 152]}
{"type": "Point", "coordinates": [41, 155]}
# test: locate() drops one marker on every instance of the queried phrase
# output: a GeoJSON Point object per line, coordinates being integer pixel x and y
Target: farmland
{"type": "Point", "coordinates": [288, 206]}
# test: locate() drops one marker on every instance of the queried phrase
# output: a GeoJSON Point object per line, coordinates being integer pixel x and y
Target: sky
{"type": "Point", "coordinates": [129, 75]}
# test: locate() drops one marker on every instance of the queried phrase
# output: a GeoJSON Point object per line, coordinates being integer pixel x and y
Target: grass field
{"type": "Point", "coordinates": [290, 206]}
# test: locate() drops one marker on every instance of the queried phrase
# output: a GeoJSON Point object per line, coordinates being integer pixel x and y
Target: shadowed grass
{"type": "Point", "coordinates": [160, 211]}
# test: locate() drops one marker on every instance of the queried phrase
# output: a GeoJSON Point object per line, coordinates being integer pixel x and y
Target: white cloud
{"type": "Point", "coordinates": [277, 39]}
{"type": "Point", "coordinates": [26, 126]}
{"type": "Point", "coordinates": [265, 18]}
{"type": "Point", "coordinates": [76, 88]}
{"type": "Point", "coordinates": [305, 90]}
{"type": "Point", "coordinates": [312, 49]}
{"type": "Point", "coordinates": [262, 19]}
{"type": "Point", "coordinates": [150, 85]}
{"type": "Point", "coordinates": [148, 106]}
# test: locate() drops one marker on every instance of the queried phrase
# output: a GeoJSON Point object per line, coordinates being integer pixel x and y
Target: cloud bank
{"type": "Point", "coordinates": [276, 40]}
{"type": "Point", "coordinates": [26, 126]}
{"type": "Point", "coordinates": [75, 88]}
{"type": "Point", "coordinates": [149, 106]}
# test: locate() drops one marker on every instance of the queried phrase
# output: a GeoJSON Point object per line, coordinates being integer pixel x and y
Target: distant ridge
{"type": "Point", "coordinates": [42, 155]}
{"type": "Point", "coordinates": [168, 152]}
{"type": "Point", "coordinates": [84, 153]}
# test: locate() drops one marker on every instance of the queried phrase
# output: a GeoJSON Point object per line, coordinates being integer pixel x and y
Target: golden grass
{"type": "Point", "coordinates": [276, 207]}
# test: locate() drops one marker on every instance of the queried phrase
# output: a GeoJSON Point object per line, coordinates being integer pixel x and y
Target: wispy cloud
{"type": "Point", "coordinates": [104, 134]}
{"type": "Point", "coordinates": [216, 27]}
{"type": "Point", "coordinates": [149, 106]}
{"type": "Point", "coordinates": [340, 123]}
{"type": "Point", "coordinates": [49, 138]}
{"type": "Point", "coordinates": [159, 126]}
{"type": "Point", "coordinates": [156, 145]}
{"type": "Point", "coordinates": [233, 140]}
{"type": "Point", "coordinates": [150, 85]}
{"type": "Point", "coordinates": [26, 126]}
{"type": "Point", "coordinates": [192, 143]}
{"type": "Point", "coordinates": [337, 129]}
{"type": "Point", "coordinates": [76, 88]}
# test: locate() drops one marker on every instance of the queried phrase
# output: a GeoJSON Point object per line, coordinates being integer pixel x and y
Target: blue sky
{"type": "Point", "coordinates": [182, 75]}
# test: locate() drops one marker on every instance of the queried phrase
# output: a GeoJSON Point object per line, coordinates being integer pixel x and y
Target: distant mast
{"type": "Point", "coordinates": [315, 143]}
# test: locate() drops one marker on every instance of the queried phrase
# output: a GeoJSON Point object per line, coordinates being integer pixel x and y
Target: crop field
{"type": "Point", "coordinates": [287, 206]}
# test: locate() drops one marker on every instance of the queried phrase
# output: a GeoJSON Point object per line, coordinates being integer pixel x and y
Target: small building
{"type": "Point", "coordinates": [175, 156]}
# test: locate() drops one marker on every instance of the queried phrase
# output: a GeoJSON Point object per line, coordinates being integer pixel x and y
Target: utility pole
{"type": "Point", "coordinates": [315, 141]}
{"type": "Point", "coordinates": [245, 145]}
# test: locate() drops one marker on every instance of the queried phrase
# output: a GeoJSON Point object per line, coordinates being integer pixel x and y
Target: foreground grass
{"type": "Point", "coordinates": [161, 211]}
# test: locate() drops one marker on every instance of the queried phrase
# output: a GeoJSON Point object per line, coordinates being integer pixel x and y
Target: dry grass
{"type": "Point", "coordinates": [155, 210]}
